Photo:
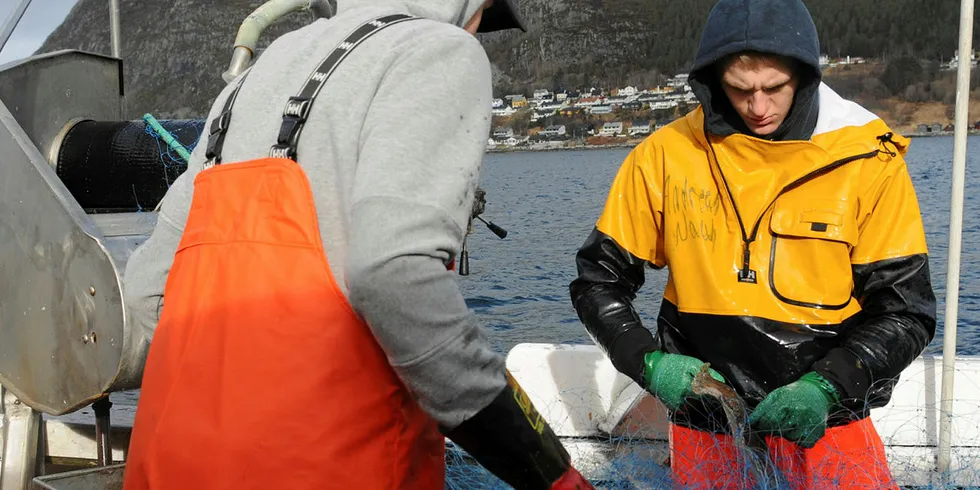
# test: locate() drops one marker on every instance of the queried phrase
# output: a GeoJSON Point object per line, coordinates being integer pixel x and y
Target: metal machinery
{"type": "Point", "coordinates": [74, 178]}
{"type": "Point", "coordinates": [77, 186]}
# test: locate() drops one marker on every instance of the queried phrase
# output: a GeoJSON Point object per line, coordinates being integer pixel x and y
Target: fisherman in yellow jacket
{"type": "Point", "coordinates": [798, 265]}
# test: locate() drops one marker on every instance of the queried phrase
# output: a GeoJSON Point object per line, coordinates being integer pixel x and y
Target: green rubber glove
{"type": "Point", "coordinates": [798, 411]}
{"type": "Point", "coordinates": [669, 377]}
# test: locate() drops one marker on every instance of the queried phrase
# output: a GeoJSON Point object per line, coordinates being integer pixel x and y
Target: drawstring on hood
{"type": "Point", "coordinates": [779, 27]}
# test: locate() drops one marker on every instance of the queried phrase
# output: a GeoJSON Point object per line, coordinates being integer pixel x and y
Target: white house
{"type": "Point", "coordinates": [550, 106]}
{"type": "Point", "coordinates": [953, 63]}
{"type": "Point", "coordinates": [611, 129]}
{"type": "Point", "coordinates": [588, 101]}
{"type": "Point", "coordinates": [542, 93]}
{"type": "Point", "coordinates": [627, 91]}
{"type": "Point", "coordinates": [561, 96]}
{"type": "Point", "coordinates": [616, 100]}
{"type": "Point", "coordinates": [503, 111]}
{"type": "Point", "coordinates": [660, 106]}
{"type": "Point", "coordinates": [600, 109]}
{"type": "Point", "coordinates": [639, 129]}
{"type": "Point", "coordinates": [679, 80]}
{"type": "Point", "coordinates": [558, 130]}
{"type": "Point", "coordinates": [497, 103]}
{"type": "Point", "coordinates": [503, 133]}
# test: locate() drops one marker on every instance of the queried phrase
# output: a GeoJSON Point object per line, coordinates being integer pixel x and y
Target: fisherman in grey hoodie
{"type": "Point", "coordinates": [392, 150]}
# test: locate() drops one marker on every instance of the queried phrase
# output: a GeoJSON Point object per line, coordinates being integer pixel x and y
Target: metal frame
{"type": "Point", "coordinates": [11, 24]}
{"type": "Point", "coordinates": [62, 267]}
{"type": "Point", "coordinates": [21, 433]}
{"type": "Point", "coordinates": [944, 459]}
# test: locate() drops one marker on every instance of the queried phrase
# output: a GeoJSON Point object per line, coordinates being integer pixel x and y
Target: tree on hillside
{"type": "Point", "coordinates": [520, 122]}
{"type": "Point", "coordinates": [900, 73]}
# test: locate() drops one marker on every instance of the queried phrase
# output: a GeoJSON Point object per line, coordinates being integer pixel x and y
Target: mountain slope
{"type": "Point", "coordinates": [176, 50]}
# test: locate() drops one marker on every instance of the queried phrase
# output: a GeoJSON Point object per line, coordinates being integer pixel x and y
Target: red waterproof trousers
{"type": "Point", "coordinates": [851, 456]}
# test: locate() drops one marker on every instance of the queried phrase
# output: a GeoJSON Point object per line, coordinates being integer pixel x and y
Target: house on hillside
{"type": "Point", "coordinates": [616, 100]}
{"type": "Point", "coordinates": [550, 106]}
{"type": "Point", "coordinates": [588, 101]}
{"type": "Point", "coordinates": [640, 128]}
{"type": "Point", "coordinates": [600, 109]}
{"type": "Point", "coordinates": [552, 131]}
{"type": "Point", "coordinates": [662, 106]}
{"type": "Point", "coordinates": [501, 134]}
{"type": "Point", "coordinates": [611, 129]}
{"type": "Point", "coordinates": [679, 81]}
{"type": "Point", "coordinates": [518, 102]}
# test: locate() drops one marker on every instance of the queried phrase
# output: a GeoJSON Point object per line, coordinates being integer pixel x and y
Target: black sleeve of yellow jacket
{"type": "Point", "coordinates": [610, 266]}
{"type": "Point", "coordinates": [890, 268]}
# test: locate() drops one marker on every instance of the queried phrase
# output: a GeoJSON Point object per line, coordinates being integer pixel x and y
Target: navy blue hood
{"type": "Point", "coordinates": [780, 27]}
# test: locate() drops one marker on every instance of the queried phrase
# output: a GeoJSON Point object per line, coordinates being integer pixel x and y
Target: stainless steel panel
{"type": "Point", "coordinates": [62, 323]}
{"type": "Point", "coordinates": [46, 92]}
{"type": "Point", "coordinates": [105, 478]}
{"type": "Point", "coordinates": [21, 433]}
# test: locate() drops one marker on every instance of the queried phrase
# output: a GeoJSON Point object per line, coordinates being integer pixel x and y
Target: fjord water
{"type": "Point", "coordinates": [549, 201]}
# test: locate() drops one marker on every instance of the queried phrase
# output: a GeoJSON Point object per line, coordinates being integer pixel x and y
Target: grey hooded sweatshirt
{"type": "Point", "coordinates": [392, 149]}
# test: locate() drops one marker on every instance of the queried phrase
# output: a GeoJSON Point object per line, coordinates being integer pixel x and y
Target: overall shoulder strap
{"type": "Point", "coordinates": [298, 106]}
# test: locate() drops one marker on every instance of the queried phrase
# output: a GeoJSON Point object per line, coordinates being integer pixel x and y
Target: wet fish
{"type": "Point", "coordinates": [752, 448]}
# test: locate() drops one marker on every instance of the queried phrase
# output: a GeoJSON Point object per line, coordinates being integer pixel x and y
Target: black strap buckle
{"type": "Point", "coordinates": [220, 124]}
{"type": "Point", "coordinates": [215, 142]}
{"type": "Point", "coordinates": [297, 107]}
{"type": "Point", "coordinates": [283, 151]}
{"type": "Point", "coordinates": [289, 131]}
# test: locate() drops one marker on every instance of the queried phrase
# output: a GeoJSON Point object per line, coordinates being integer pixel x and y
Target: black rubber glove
{"type": "Point", "coordinates": [511, 440]}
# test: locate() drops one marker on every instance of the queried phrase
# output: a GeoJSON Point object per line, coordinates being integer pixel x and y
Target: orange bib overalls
{"type": "Point", "coordinates": [260, 375]}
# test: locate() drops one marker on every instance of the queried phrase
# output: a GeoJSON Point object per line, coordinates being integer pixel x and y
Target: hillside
{"type": "Point", "coordinates": [174, 59]}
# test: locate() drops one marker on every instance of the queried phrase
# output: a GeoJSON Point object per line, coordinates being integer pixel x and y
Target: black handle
{"type": "Point", "coordinates": [500, 232]}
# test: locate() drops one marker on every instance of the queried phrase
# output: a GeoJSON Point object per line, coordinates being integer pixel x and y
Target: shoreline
{"type": "Point", "coordinates": [633, 143]}
{"type": "Point", "coordinates": [521, 149]}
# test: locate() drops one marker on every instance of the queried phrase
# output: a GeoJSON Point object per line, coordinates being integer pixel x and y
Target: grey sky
{"type": "Point", "coordinates": [40, 19]}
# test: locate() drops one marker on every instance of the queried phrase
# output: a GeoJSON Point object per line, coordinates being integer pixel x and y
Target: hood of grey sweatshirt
{"type": "Point", "coordinates": [392, 149]}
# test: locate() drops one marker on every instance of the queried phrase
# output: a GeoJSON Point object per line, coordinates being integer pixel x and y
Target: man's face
{"type": "Point", "coordinates": [761, 92]}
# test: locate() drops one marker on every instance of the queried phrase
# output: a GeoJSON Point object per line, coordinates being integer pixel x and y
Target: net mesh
{"type": "Point", "coordinates": [634, 454]}
{"type": "Point", "coordinates": [170, 158]}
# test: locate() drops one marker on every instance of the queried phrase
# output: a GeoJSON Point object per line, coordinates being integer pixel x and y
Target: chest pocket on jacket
{"type": "Point", "coordinates": [810, 254]}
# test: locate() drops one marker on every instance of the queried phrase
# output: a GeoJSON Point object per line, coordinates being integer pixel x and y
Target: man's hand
{"type": "Point", "coordinates": [669, 377]}
{"type": "Point", "coordinates": [798, 411]}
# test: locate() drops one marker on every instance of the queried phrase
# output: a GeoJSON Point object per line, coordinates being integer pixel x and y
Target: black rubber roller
{"type": "Point", "coordinates": [116, 166]}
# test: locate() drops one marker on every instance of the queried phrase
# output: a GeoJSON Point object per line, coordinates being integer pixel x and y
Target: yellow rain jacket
{"type": "Point", "coordinates": [784, 257]}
